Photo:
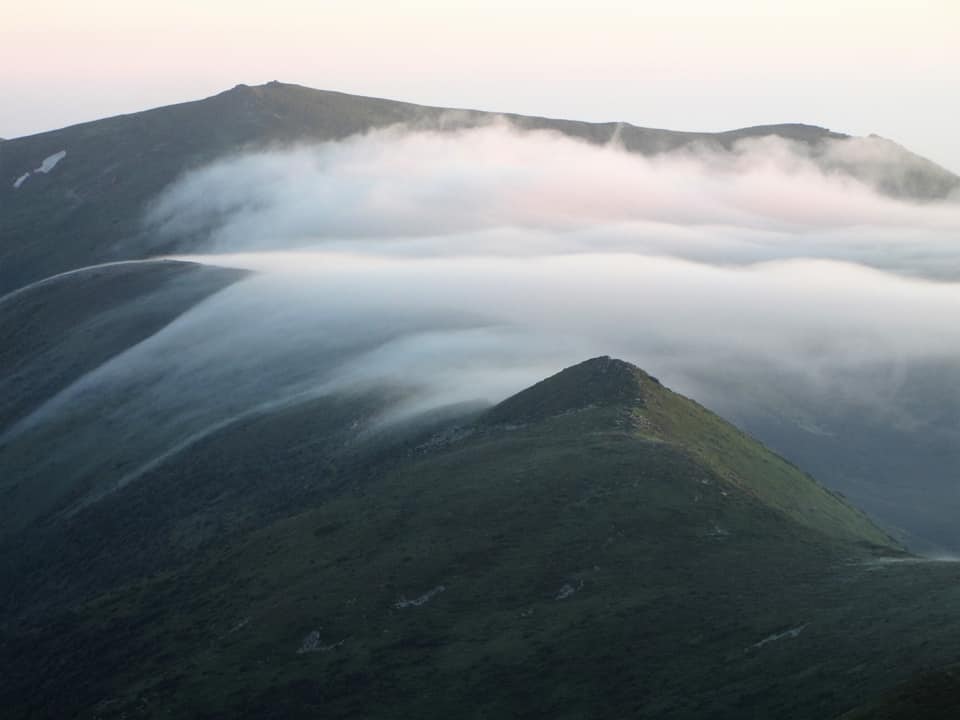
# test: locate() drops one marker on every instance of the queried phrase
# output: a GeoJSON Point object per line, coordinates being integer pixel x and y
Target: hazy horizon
{"type": "Point", "coordinates": [854, 67]}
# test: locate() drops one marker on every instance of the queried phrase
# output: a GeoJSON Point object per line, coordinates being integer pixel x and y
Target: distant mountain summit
{"type": "Point", "coordinates": [87, 207]}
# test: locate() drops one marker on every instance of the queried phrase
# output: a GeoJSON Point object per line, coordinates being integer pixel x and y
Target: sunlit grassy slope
{"type": "Point", "coordinates": [643, 409]}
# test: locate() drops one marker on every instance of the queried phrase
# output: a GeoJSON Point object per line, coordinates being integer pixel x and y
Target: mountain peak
{"type": "Point", "coordinates": [801, 132]}
{"type": "Point", "coordinates": [599, 381]}
{"type": "Point", "coordinates": [245, 88]}
{"type": "Point", "coordinates": [620, 398]}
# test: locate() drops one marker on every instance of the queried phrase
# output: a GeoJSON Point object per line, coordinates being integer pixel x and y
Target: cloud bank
{"type": "Point", "coordinates": [497, 191]}
{"type": "Point", "coordinates": [771, 254]}
{"type": "Point", "coordinates": [467, 265]}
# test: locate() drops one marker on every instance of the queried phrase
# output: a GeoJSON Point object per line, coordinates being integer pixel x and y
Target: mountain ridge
{"type": "Point", "coordinates": [89, 203]}
{"type": "Point", "coordinates": [656, 413]}
{"type": "Point", "coordinates": [600, 538]}
{"type": "Point", "coordinates": [795, 130]}
{"type": "Point", "coordinates": [203, 527]}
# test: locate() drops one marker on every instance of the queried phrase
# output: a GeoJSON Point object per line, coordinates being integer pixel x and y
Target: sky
{"type": "Point", "coordinates": [885, 66]}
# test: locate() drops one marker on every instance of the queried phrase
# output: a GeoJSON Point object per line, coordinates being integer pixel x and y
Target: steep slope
{"type": "Point", "coordinates": [61, 330]}
{"type": "Point", "coordinates": [83, 190]}
{"type": "Point", "coordinates": [658, 414]}
{"type": "Point", "coordinates": [56, 331]}
{"type": "Point", "coordinates": [594, 545]}
{"type": "Point", "coordinates": [111, 374]}
{"type": "Point", "coordinates": [933, 695]}
{"type": "Point", "coordinates": [895, 454]}
{"type": "Point", "coordinates": [90, 205]}
{"type": "Point", "coordinates": [243, 476]}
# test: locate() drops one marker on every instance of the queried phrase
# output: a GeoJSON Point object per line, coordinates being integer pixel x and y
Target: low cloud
{"type": "Point", "coordinates": [771, 253]}
{"type": "Point", "coordinates": [497, 191]}
{"type": "Point", "coordinates": [466, 265]}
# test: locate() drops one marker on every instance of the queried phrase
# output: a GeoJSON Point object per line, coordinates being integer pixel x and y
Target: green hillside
{"type": "Point", "coordinates": [595, 546]}
{"type": "Point", "coordinates": [58, 331]}
{"type": "Point", "coordinates": [71, 324]}
{"type": "Point", "coordinates": [932, 695]}
{"type": "Point", "coordinates": [652, 412]}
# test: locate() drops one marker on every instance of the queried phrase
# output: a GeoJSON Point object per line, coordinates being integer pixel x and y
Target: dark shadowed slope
{"type": "Point", "coordinates": [88, 207]}
{"type": "Point", "coordinates": [274, 460]}
{"type": "Point", "coordinates": [933, 695]}
{"type": "Point", "coordinates": [594, 546]}
{"type": "Point", "coordinates": [56, 331]}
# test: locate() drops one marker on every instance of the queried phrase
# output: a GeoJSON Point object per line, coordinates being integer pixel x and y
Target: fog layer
{"type": "Point", "coordinates": [466, 265]}
{"type": "Point", "coordinates": [496, 191]}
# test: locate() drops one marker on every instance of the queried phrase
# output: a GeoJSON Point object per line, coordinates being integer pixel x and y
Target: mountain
{"type": "Point", "coordinates": [663, 416]}
{"type": "Point", "coordinates": [71, 324]}
{"type": "Point", "coordinates": [80, 200]}
{"type": "Point", "coordinates": [932, 695]}
{"type": "Point", "coordinates": [60, 331]}
{"type": "Point", "coordinates": [86, 207]}
{"type": "Point", "coordinates": [896, 458]}
{"type": "Point", "coordinates": [885, 434]}
{"type": "Point", "coordinates": [596, 527]}
{"type": "Point", "coordinates": [326, 433]}
{"type": "Point", "coordinates": [77, 196]}
{"type": "Point", "coordinates": [223, 495]}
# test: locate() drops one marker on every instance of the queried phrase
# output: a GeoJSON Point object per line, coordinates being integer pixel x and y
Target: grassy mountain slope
{"type": "Point", "coordinates": [587, 548]}
{"type": "Point", "coordinates": [242, 477]}
{"type": "Point", "coordinates": [658, 414]}
{"type": "Point", "coordinates": [887, 436]}
{"type": "Point", "coordinates": [933, 695]}
{"type": "Point", "coordinates": [70, 324]}
{"type": "Point", "coordinates": [57, 332]}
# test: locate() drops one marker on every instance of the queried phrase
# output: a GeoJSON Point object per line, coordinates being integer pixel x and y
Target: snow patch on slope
{"type": "Point", "coordinates": [418, 601]}
{"type": "Point", "coordinates": [791, 633]}
{"type": "Point", "coordinates": [48, 164]}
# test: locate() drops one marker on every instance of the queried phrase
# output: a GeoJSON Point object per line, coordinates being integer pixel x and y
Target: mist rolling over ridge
{"type": "Point", "coordinates": [405, 191]}
{"type": "Point", "coordinates": [763, 278]}
{"type": "Point", "coordinates": [324, 405]}
{"type": "Point", "coordinates": [757, 279]}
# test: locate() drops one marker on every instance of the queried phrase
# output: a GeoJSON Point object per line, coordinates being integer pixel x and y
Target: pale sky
{"type": "Point", "coordinates": [889, 67]}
